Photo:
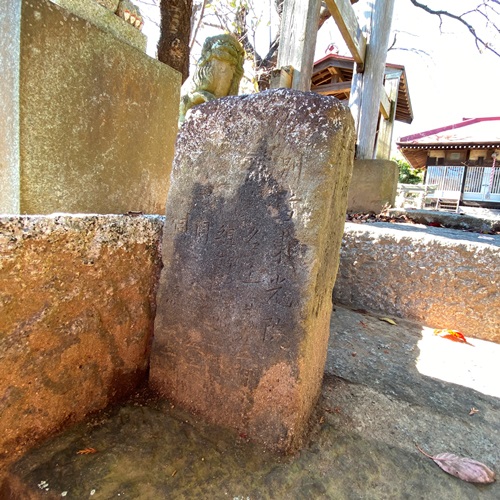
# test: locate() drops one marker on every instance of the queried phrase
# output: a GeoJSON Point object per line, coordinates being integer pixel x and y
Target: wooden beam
{"type": "Point", "coordinates": [299, 25]}
{"type": "Point", "coordinates": [335, 71]}
{"type": "Point", "coordinates": [385, 104]}
{"type": "Point", "coordinates": [332, 88]}
{"type": "Point", "coordinates": [346, 20]}
{"type": "Point", "coordinates": [281, 78]}
{"type": "Point", "coordinates": [336, 63]}
{"type": "Point", "coordinates": [386, 126]}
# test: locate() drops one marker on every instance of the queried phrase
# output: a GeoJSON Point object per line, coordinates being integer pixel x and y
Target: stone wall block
{"type": "Point", "coordinates": [77, 303]}
{"type": "Point", "coordinates": [89, 120]}
{"type": "Point", "coordinates": [439, 277]}
{"type": "Point", "coordinates": [254, 220]}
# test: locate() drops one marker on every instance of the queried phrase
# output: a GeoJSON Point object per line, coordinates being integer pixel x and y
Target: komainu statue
{"type": "Point", "coordinates": [218, 73]}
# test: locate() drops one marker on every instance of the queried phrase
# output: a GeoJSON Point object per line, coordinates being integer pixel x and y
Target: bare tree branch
{"type": "Point", "coordinates": [198, 24]}
{"type": "Point", "coordinates": [480, 43]}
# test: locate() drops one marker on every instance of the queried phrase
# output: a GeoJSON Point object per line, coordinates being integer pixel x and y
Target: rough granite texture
{"type": "Point", "coordinates": [255, 217]}
{"type": "Point", "coordinates": [440, 277]}
{"type": "Point", "coordinates": [77, 300]}
{"type": "Point", "coordinates": [10, 61]}
{"type": "Point", "coordinates": [93, 122]}
{"type": "Point", "coordinates": [449, 219]}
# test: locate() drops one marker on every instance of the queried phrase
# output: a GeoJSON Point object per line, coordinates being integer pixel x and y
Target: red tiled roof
{"type": "Point", "coordinates": [468, 131]}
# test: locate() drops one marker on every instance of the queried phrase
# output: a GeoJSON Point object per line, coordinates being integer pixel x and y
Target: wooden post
{"type": "Point", "coordinates": [299, 25]}
{"type": "Point", "coordinates": [347, 23]}
{"type": "Point", "coordinates": [355, 95]}
{"type": "Point", "coordinates": [386, 126]}
{"type": "Point", "coordinates": [371, 87]}
{"type": "Point", "coordinates": [281, 78]}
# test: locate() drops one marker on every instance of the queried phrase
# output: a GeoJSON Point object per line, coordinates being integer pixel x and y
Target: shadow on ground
{"type": "Point", "coordinates": [379, 398]}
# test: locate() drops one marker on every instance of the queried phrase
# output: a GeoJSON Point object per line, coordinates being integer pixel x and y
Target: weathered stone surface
{"type": "Point", "coordinates": [112, 5]}
{"type": "Point", "coordinates": [373, 186]}
{"type": "Point", "coordinates": [90, 121]}
{"type": "Point", "coordinates": [218, 73]}
{"type": "Point", "coordinates": [440, 277]}
{"type": "Point", "coordinates": [376, 403]}
{"type": "Point", "coordinates": [10, 61]}
{"type": "Point", "coordinates": [479, 224]}
{"type": "Point", "coordinates": [77, 299]}
{"type": "Point", "coordinates": [254, 220]}
{"type": "Point", "coordinates": [106, 19]}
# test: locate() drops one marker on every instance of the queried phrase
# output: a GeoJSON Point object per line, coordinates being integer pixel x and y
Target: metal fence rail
{"type": "Point", "coordinates": [446, 178]}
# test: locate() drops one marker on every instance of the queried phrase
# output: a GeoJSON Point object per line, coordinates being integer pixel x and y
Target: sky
{"type": "Point", "coordinates": [453, 80]}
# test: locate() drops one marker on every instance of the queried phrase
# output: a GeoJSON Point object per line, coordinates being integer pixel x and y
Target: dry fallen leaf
{"type": "Point", "coordinates": [464, 468]}
{"type": "Point", "coordinates": [388, 320]}
{"type": "Point", "coordinates": [473, 411]}
{"type": "Point", "coordinates": [86, 451]}
{"type": "Point", "coordinates": [454, 335]}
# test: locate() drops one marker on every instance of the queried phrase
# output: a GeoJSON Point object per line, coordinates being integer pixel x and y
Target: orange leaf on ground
{"type": "Point", "coordinates": [86, 451]}
{"type": "Point", "coordinates": [388, 320]}
{"type": "Point", "coordinates": [454, 335]}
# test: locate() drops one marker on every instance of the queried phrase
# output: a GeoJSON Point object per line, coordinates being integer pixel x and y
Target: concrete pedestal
{"type": "Point", "coordinates": [374, 184]}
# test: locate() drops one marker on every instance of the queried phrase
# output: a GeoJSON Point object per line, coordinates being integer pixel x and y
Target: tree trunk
{"type": "Point", "coordinates": [175, 30]}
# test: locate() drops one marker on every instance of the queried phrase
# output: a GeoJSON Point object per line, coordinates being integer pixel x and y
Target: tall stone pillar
{"type": "Point", "coordinates": [254, 221]}
{"type": "Point", "coordinates": [88, 120]}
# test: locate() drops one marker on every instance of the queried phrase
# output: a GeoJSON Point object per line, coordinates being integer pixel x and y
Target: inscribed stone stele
{"type": "Point", "coordinates": [254, 221]}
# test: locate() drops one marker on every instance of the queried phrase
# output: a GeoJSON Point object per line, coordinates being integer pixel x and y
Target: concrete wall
{"type": "Point", "coordinates": [96, 118]}
{"type": "Point", "coordinates": [440, 277]}
{"type": "Point", "coordinates": [77, 304]}
{"type": "Point", "coordinates": [374, 184]}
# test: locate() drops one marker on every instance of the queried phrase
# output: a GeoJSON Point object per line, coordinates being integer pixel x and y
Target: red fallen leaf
{"type": "Point", "coordinates": [86, 451]}
{"type": "Point", "coordinates": [464, 468]}
{"type": "Point", "coordinates": [434, 224]}
{"type": "Point", "coordinates": [453, 335]}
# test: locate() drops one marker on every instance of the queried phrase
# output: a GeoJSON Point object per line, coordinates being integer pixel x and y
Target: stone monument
{"type": "Point", "coordinates": [89, 120]}
{"type": "Point", "coordinates": [254, 221]}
